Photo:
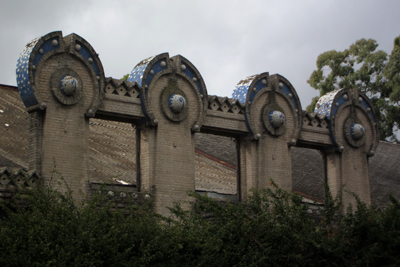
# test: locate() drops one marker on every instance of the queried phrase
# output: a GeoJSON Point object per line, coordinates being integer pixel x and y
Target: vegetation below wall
{"type": "Point", "coordinates": [273, 229]}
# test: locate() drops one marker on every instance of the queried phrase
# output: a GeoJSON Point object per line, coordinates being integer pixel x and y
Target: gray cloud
{"type": "Point", "coordinates": [225, 40]}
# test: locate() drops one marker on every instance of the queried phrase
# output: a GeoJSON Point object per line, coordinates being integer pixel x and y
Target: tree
{"type": "Point", "coordinates": [125, 78]}
{"type": "Point", "coordinates": [371, 71]}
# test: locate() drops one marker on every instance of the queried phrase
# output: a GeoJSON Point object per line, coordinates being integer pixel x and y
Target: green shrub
{"type": "Point", "coordinates": [273, 228]}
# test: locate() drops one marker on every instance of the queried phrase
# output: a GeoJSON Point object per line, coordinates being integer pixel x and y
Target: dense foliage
{"type": "Point", "coordinates": [273, 229]}
{"type": "Point", "coordinates": [369, 70]}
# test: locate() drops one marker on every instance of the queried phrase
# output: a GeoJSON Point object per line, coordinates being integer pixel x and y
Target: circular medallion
{"type": "Point", "coordinates": [276, 118]}
{"type": "Point", "coordinates": [354, 132]}
{"type": "Point", "coordinates": [176, 103]}
{"type": "Point", "coordinates": [68, 85]}
{"type": "Point", "coordinates": [357, 131]}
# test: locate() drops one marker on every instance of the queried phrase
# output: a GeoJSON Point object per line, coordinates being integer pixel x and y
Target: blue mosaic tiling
{"type": "Point", "coordinates": [22, 75]}
{"type": "Point", "coordinates": [190, 72]}
{"type": "Point", "coordinates": [367, 106]}
{"type": "Point", "coordinates": [22, 68]}
{"type": "Point", "coordinates": [324, 104]}
{"type": "Point", "coordinates": [240, 91]}
{"type": "Point", "coordinates": [155, 68]}
{"type": "Point", "coordinates": [137, 72]}
{"type": "Point", "coordinates": [86, 54]}
{"type": "Point", "coordinates": [176, 103]}
{"type": "Point", "coordinates": [290, 94]}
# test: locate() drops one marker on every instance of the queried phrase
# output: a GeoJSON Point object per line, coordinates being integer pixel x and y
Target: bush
{"type": "Point", "coordinates": [274, 228]}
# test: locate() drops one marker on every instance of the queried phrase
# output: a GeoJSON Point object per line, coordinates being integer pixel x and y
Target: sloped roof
{"type": "Point", "coordinates": [112, 149]}
{"type": "Point", "coordinates": [384, 173]}
{"type": "Point", "coordinates": [214, 175]}
{"type": "Point", "coordinates": [14, 129]}
{"type": "Point", "coordinates": [112, 152]}
{"type": "Point", "coordinates": [112, 156]}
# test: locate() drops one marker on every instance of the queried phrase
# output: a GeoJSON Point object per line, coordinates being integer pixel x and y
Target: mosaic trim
{"type": "Point", "coordinates": [324, 104]}
{"type": "Point", "coordinates": [137, 72]}
{"type": "Point", "coordinates": [191, 73]}
{"type": "Point", "coordinates": [144, 72]}
{"type": "Point", "coordinates": [242, 88]}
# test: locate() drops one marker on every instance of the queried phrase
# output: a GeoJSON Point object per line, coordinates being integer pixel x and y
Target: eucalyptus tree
{"type": "Point", "coordinates": [369, 70]}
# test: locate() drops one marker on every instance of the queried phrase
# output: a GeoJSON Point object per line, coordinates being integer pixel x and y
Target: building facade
{"type": "Point", "coordinates": [62, 84]}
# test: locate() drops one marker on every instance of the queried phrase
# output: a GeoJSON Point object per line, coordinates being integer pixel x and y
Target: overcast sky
{"type": "Point", "coordinates": [226, 40]}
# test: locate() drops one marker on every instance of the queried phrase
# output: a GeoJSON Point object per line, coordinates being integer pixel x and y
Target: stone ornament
{"type": "Point", "coordinates": [176, 103]}
{"type": "Point", "coordinates": [354, 132]}
{"type": "Point", "coordinates": [173, 102]}
{"type": "Point", "coordinates": [66, 86]}
{"type": "Point", "coordinates": [357, 131]}
{"type": "Point", "coordinates": [274, 119]}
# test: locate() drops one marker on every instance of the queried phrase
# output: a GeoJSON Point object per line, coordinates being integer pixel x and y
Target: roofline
{"type": "Point", "coordinates": [10, 87]}
{"type": "Point", "coordinates": [215, 159]}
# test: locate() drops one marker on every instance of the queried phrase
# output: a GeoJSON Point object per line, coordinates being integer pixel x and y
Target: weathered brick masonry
{"type": "Point", "coordinates": [62, 84]}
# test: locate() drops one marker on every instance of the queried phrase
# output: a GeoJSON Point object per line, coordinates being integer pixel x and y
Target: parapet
{"type": "Point", "coordinates": [62, 84]}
